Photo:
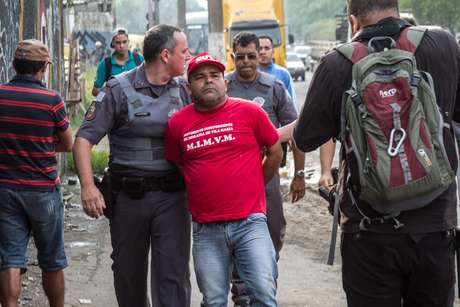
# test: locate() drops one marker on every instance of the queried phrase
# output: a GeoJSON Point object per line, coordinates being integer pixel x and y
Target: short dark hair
{"type": "Point", "coordinates": [244, 39]}
{"type": "Point", "coordinates": [267, 37]}
{"type": "Point", "coordinates": [27, 67]}
{"type": "Point", "coordinates": [157, 39]}
{"type": "Point", "coordinates": [361, 8]}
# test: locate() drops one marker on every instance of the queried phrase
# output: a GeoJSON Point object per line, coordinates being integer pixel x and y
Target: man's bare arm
{"type": "Point", "coordinates": [64, 141]}
{"type": "Point", "coordinates": [298, 183]}
{"type": "Point", "coordinates": [286, 132]}
{"type": "Point", "coordinates": [272, 161]}
{"type": "Point", "coordinates": [326, 156]}
{"type": "Point", "coordinates": [91, 198]}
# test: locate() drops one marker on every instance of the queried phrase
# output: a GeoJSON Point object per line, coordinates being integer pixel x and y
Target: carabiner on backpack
{"type": "Point", "coordinates": [397, 136]}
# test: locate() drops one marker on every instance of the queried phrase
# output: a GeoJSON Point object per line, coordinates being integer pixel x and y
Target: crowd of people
{"type": "Point", "coordinates": [195, 155]}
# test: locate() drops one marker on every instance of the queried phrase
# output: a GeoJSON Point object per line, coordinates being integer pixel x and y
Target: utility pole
{"type": "Point", "coordinates": [150, 13]}
{"type": "Point", "coordinates": [181, 8]}
{"type": "Point", "coordinates": [157, 11]}
{"type": "Point", "coordinates": [216, 30]}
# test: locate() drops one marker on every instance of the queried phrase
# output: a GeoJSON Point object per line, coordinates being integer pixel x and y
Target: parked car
{"type": "Point", "coordinates": [295, 66]}
{"type": "Point", "coordinates": [304, 53]}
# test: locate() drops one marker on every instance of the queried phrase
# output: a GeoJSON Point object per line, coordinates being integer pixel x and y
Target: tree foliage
{"type": "Point", "coordinates": [131, 14]}
{"type": "Point", "coordinates": [313, 19]}
{"type": "Point", "coordinates": [309, 19]}
{"type": "Point", "coordinates": [443, 13]}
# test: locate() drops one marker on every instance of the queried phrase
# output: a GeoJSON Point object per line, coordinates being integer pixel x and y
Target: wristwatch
{"type": "Point", "coordinates": [300, 173]}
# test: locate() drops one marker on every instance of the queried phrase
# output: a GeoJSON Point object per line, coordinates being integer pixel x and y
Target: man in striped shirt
{"type": "Point", "coordinates": [33, 127]}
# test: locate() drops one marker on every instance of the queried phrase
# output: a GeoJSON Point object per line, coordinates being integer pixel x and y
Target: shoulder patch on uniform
{"type": "Point", "coordinates": [91, 112]}
{"type": "Point", "coordinates": [100, 96]}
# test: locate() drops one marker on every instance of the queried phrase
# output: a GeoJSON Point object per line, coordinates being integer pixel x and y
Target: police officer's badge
{"type": "Point", "coordinates": [91, 112]}
{"type": "Point", "coordinates": [259, 100]}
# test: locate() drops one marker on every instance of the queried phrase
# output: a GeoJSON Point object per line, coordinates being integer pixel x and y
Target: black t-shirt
{"type": "Point", "coordinates": [319, 121]}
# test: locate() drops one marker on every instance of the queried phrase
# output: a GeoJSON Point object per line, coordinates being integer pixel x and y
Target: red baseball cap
{"type": "Point", "coordinates": [201, 59]}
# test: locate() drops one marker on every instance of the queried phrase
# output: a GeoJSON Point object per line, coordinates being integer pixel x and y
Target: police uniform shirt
{"type": "Point", "coordinates": [110, 110]}
{"type": "Point", "coordinates": [283, 106]}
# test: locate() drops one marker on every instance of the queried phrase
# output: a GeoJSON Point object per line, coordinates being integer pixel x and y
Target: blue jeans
{"type": "Point", "coordinates": [245, 242]}
{"type": "Point", "coordinates": [23, 212]}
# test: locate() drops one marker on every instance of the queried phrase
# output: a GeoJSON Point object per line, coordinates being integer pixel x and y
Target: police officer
{"type": "Point", "coordinates": [148, 197]}
{"type": "Point", "coordinates": [268, 92]}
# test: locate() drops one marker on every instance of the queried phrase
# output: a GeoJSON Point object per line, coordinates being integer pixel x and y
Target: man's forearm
{"type": "Point", "coordinates": [299, 157]}
{"type": "Point", "coordinates": [326, 156]}
{"type": "Point", "coordinates": [286, 132]}
{"type": "Point", "coordinates": [270, 167]}
{"type": "Point", "coordinates": [272, 162]}
{"type": "Point", "coordinates": [82, 159]}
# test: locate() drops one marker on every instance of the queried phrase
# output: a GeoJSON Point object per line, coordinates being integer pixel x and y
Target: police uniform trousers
{"type": "Point", "coordinates": [158, 222]}
{"type": "Point", "coordinates": [275, 214]}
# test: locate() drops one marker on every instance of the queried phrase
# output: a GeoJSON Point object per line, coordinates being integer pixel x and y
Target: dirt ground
{"type": "Point", "coordinates": [305, 280]}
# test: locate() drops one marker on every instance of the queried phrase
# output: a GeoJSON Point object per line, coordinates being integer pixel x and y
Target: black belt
{"type": "Point", "coordinates": [136, 187]}
{"type": "Point", "coordinates": [135, 183]}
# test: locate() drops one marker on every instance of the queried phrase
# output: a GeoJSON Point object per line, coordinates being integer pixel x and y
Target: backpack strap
{"type": "Point", "coordinates": [108, 67]}
{"type": "Point", "coordinates": [408, 40]}
{"type": "Point", "coordinates": [354, 51]}
{"type": "Point", "coordinates": [137, 58]}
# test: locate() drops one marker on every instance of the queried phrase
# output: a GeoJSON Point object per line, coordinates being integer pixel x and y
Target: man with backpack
{"type": "Point", "coordinates": [398, 158]}
{"type": "Point", "coordinates": [122, 59]}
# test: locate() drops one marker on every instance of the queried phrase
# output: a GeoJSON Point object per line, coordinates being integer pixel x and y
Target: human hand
{"type": "Point", "coordinates": [297, 189]}
{"type": "Point", "coordinates": [326, 180]}
{"type": "Point", "coordinates": [92, 201]}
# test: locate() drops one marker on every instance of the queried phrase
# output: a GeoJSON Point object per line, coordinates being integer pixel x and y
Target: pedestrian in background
{"type": "Point", "coordinates": [216, 141]}
{"type": "Point", "coordinates": [267, 64]}
{"type": "Point", "coordinates": [33, 127]}
{"type": "Point", "coordinates": [122, 59]}
{"type": "Point", "coordinates": [147, 193]}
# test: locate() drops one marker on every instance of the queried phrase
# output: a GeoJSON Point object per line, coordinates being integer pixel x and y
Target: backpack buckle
{"type": "Point", "coordinates": [415, 80]}
{"type": "Point", "coordinates": [398, 136]}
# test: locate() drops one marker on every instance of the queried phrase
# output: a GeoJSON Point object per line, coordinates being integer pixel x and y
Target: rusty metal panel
{"type": "Point", "coordinates": [9, 35]}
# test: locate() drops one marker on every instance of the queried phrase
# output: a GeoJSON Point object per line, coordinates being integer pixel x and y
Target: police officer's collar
{"type": "Point", "coordinates": [27, 78]}
{"type": "Point", "coordinates": [389, 26]}
{"type": "Point", "coordinates": [140, 81]}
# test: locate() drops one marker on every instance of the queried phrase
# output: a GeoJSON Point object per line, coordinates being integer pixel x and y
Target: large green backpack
{"type": "Point", "coordinates": [392, 127]}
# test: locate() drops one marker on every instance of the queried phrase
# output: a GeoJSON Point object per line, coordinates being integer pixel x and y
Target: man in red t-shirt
{"type": "Point", "coordinates": [216, 142]}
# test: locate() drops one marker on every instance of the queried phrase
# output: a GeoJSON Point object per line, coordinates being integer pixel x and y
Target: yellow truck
{"type": "Point", "coordinates": [262, 17]}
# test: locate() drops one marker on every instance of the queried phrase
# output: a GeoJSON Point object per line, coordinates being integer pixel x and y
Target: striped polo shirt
{"type": "Point", "coordinates": [30, 117]}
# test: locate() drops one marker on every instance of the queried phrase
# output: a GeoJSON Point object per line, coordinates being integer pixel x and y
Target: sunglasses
{"type": "Point", "coordinates": [242, 56]}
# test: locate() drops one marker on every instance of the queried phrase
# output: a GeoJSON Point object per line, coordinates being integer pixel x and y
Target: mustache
{"type": "Point", "coordinates": [208, 88]}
